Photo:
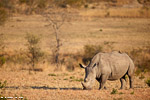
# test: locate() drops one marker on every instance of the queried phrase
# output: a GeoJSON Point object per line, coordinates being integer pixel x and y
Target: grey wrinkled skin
{"type": "Point", "coordinates": [108, 66]}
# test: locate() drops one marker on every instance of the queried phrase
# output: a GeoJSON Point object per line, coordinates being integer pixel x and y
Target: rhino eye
{"type": "Point", "coordinates": [94, 65]}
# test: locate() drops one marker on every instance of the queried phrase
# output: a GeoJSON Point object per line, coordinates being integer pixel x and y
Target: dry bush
{"type": "Point", "coordinates": [72, 60]}
{"type": "Point", "coordinates": [19, 57]}
{"type": "Point", "coordinates": [6, 6]}
{"type": "Point", "coordinates": [35, 54]}
{"type": "Point", "coordinates": [90, 51]}
{"type": "Point", "coordinates": [141, 58]}
{"type": "Point", "coordinates": [34, 6]}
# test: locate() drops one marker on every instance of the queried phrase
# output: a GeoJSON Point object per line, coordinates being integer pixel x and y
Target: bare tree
{"type": "Point", "coordinates": [56, 19]}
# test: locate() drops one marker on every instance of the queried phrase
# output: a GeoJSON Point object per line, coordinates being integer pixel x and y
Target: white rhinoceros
{"type": "Point", "coordinates": [108, 66]}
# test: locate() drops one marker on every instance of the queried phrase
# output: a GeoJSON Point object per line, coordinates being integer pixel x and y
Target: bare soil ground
{"type": "Point", "coordinates": [49, 85]}
{"type": "Point", "coordinates": [125, 33]}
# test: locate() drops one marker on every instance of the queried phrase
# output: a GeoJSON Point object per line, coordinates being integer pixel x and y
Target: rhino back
{"type": "Point", "coordinates": [115, 64]}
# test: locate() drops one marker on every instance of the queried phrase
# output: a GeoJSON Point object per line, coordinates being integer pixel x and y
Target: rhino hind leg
{"type": "Point", "coordinates": [131, 81]}
{"type": "Point", "coordinates": [123, 82]}
{"type": "Point", "coordinates": [131, 75]}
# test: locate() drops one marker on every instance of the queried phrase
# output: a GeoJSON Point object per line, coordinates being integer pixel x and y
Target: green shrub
{"type": "Point", "coordinates": [65, 78]}
{"type": "Point", "coordinates": [121, 93]}
{"type": "Point", "coordinates": [148, 82]}
{"type": "Point", "coordinates": [3, 84]}
{"type": "Point", "coordinates": [114, 91]}
{"type": "Point", "coordinates": [132, 92]}
{"type": "Point", "coordinates": [90, 51]}
{"type": "Point", "coordinates": [52, 74]}
{"type": "Point", "coordinates": [79, 80]}
{"type": "Point", "coordinates": [2, 61]}
{"type": "Point", "coordinates": [72, 77]}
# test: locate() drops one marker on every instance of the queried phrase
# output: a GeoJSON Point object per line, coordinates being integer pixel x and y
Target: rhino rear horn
{"type": "Point", "coordinates": [82, 66]}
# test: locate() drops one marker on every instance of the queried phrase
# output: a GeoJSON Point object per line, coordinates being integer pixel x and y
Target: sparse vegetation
{"type": "Point", "coordinates": [132, 92]}
{"type": "Point", "coordinates": [114, 91]}
{"type": "Point", "coordinates": [72, 77]}
{"type": "Point", "coordinates": [142, 77]}
{"type": "Point", "coordinates": [3, 84]}
{"type": "Point", "coordinates": [2, 61]}
{"type": "Point", "coordinates": [117, 99]}
{"type": "Point", "coordinates": [52, 74]}
{"type": "Point", "coordinates": [34, 51]}
{"type": "Point", "coordinates": [121, 93]}
{"type": "Point", "coordinates": [79, 80]}
{"type": "Point", "coordinates": [2, 43]}
{"type": "Point", "coordinates": [148, 82]}
{"type": "Point", "coordinates": [65, 78]}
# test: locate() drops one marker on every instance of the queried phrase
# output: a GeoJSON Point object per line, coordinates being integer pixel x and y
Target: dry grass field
{"type": "Point", "coordinates": [124, 34]}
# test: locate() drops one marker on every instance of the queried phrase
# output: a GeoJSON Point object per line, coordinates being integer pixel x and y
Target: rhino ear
{"type": "Point", "coordinates": [82, 66]}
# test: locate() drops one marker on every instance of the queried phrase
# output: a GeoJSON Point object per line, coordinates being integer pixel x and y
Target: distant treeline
{"type": "Point", "coordinates": [8, 7]}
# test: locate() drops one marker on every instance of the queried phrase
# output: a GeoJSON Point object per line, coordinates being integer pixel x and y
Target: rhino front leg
{"type": "Point", "coordinates": [103, 81]}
